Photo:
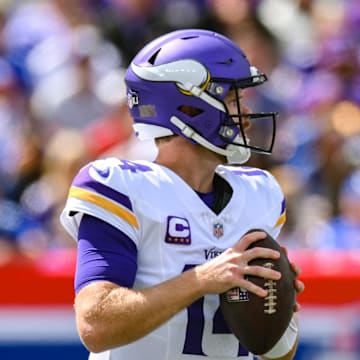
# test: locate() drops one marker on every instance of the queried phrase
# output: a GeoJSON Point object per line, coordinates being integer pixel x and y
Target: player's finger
{"type": "Point", "coordinates": [260, 253]}
{"type": "Point", "coordinates": [299, 286]}
{"type": "Point", "coordinates": [251, 287]}
{"type": "Point", "coordinates": [263, 272]}
{"type": "Point", "coordinates": [248, 239]}
{"type": "Point", "coordinates": [297, 307]}
{"type": "Point", "coordinates": [295, 268]}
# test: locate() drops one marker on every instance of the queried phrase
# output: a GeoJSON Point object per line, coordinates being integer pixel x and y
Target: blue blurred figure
{"type": "Point", "coordinates": [343, 230]}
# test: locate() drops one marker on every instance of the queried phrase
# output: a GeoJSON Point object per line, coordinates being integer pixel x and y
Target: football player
{"type": "Point", "coordinates": [158, 241]}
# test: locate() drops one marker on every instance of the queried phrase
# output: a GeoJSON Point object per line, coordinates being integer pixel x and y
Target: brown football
{"type": "Point", "coordinates": [257, 322]}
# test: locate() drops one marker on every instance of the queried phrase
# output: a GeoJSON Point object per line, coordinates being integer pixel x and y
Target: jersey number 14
{"type": "Point", "coordinates": [196, 327]}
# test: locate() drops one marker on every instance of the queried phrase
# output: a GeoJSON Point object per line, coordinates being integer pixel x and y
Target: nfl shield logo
{"type": "Point", "coordinates": [218, 230]}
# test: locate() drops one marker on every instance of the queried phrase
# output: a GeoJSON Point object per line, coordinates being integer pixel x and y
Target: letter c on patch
{"type": "Point", "coordinates": [178, 231]}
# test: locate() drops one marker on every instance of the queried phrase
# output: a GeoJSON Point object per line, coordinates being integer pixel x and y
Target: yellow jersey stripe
{"type": "Point", "coordinates": [281, 219]}
{"type": "Point", "coordinates": [106, 204]}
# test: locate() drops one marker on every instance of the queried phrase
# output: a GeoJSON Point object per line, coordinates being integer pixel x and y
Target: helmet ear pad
{"type": "Point", "coordinates": [202, 118]}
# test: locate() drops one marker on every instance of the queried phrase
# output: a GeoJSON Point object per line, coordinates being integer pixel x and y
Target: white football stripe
{"type": "Point", "coordinates": [38, 324]}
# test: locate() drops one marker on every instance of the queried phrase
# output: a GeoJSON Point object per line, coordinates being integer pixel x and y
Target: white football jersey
{"type": "Point", "coordinates": [173, 230]}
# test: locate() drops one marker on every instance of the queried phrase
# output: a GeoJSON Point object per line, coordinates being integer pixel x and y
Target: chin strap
{"type": "Point", "coordinates": [192, 134]}
{"type": "Point", "coordinates": [234, 154]}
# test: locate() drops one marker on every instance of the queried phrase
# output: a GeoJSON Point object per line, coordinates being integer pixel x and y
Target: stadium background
{"type": "Point", "coordinates": [62, 103]}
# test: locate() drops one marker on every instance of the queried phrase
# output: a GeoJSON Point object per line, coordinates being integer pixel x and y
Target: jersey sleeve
{"type": "Point", "coordinates": [114, 259]}
{"type": "Point", "coordinates": [277, 205]}
{"type": "Point", "coordinates": [100, 190]}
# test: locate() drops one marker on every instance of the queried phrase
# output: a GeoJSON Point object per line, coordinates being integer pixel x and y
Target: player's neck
{"type": "Point", "coordinates": [194, 164]}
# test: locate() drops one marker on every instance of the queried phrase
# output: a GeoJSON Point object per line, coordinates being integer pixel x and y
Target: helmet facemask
{"type": "Point", "coordinates": [252, 131]}
{"type": "Point", "coordinates": [258, 133]}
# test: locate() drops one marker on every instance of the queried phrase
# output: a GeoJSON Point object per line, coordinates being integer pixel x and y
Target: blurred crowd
{"type": "Point", "coordinates": [62, 104]}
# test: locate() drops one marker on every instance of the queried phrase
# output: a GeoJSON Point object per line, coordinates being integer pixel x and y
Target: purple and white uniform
{"type": "Point", "coordinates": [146, 225]}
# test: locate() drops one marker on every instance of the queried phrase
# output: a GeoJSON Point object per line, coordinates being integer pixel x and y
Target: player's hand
{"type": "Point", "coordinates": [231, 268]}
{"type": "Point", "coordinates": [299, 285]}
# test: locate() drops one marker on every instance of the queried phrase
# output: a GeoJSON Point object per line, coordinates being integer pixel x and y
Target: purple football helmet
{"type": "Point", "coordinates": [194, 69]}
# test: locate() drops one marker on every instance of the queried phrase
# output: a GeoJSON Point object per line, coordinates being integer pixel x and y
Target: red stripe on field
{"type": "Point", "coordinates": [46, 280]}
{"type": "Point", "coordinates": [330, 277]}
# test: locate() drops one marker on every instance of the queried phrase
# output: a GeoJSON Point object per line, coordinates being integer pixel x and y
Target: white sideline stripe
{"type": "Point", "coordinates": [38, 324]}
{"type": "Point", "coordinates": [41, 324]}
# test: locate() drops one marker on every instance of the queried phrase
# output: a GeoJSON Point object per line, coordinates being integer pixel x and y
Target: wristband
{"type": "Point", "coordinates": [286, 342]}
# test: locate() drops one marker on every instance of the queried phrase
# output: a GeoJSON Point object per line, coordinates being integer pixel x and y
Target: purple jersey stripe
{"type": "Point", "coordinates": [85, 181]}
{"type": "Point", "coordinates": [283, 206]}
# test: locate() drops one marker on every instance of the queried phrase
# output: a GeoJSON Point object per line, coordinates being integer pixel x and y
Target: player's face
{"type": "Point", "coordinates": [231, 101]}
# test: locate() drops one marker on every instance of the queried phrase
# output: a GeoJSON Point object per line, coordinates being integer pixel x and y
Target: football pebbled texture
{"type": "Point", "coordinates": [258, 323]}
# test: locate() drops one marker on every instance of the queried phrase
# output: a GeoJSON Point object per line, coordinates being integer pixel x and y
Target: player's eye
{"type": "Point", "coordinates": [232, 104]}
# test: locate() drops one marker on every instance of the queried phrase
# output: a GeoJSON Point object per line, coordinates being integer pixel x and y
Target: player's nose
{"type": "Point", "coordinates": [245, 110]}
